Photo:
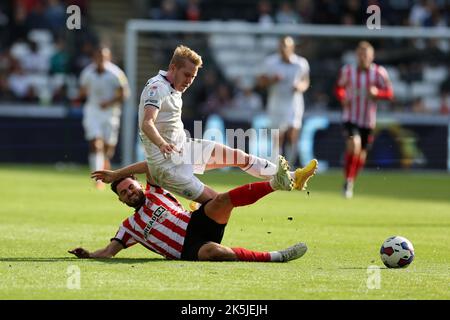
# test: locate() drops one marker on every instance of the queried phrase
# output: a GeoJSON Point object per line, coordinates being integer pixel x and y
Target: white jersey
{"type": "Point", "coordinates": [282, 100]}
{"type": "Point", "coordinates": [159, 93]}
{"type": "Point", "coordinates": [103, 86]}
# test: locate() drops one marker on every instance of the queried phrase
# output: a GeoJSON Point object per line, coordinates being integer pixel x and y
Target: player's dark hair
{"type": "Point", "coordinates": [115, 183]}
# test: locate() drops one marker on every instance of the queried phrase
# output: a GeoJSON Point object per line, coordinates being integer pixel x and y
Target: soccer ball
{"type": "Point", "coordinates": [397, 252]}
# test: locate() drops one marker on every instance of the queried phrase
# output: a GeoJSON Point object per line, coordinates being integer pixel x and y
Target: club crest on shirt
{"type": "Point", "coordinates": [152, 91]}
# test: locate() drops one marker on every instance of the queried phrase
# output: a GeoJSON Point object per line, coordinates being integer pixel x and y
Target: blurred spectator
{"type": "Point", "coordinates": [418, 105]}
{"type": "Point", "coordinates": [420, 12]}
{"type": "Point", "coordinates": [246, 103]}
{"type": "Point", "coordinates": [83, 57]}
{"type": "Point", "coordinates": [192, 10]}
{"type": "Point", "coordinates": [55, 15]}
{"type": "Point", "coordinates": [218, 100]}
{"type": "Point", "coordinates": [59, 68]}
{"type": "Point", "coordinates": [20, 84]}
{"type": "Point", "coordinates": [4, 23]}
{"type": "Point", "coordinates": [35, 61]}
{"type": "Point", "coordinates": [5, 66]}
{"type": "Point", "coordinates": [18, 26]}
{"type": "Point", "coordinates": [168, 10]}
{"type": "Point", "coordinates": [326, 12]}
{"type": "Point", "coordinates": [445, 95]}
{"type": "Point", "coordinates": [209, 81]}
{"type": "Point", "coordinates": [305, 10]}
{"type": "Point", "coordinates": [285, 14]}
{"type": "Point", "coordinates": [59, 61]}
{"type": "Point", "coordinates": [265, 13]}
{"type": "Point", "coordinates": [37, 18]}
{"type": "Point", "coordinates": [352, 12]}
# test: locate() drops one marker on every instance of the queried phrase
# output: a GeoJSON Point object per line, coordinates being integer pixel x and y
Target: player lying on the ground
{"type": "Point", "coordinates": [162, 225]}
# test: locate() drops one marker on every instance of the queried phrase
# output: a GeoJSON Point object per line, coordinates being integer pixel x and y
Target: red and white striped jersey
{"type": "Point", "coordinates": [357, 82]}
{"type": "Point", "coordinates": [159, 225]}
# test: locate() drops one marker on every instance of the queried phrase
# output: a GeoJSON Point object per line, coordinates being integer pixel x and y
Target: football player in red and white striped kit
{"type": "Point", "coordinates": [358, 88]}
{"type": "Point", "coordinates": [162, 225]}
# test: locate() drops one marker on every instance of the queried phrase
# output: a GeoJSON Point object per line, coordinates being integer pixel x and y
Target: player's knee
{"type": "Point", "coordinates": [239, 157]}
{"type": "Point", "coordinates": [222, 199]}
{"type": "Point", "coordinates": [214, 252]}
{"type": "Point", "coordinates": [97, 145]}
{"type": "Point", "coordinates": [109, 152]}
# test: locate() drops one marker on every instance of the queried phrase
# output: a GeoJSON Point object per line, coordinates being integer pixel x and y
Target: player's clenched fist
{"type": "Point", "coordinates": [167, 148]}
{"type": "Point", "coordinates": [80, 253]}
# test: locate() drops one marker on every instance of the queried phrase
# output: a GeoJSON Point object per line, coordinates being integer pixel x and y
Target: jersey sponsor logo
{"type": "Point", "coordinates": [159, 216]}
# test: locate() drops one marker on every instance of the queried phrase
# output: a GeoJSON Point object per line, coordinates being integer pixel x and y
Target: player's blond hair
{"type": "Point", "coordinates": [365, 45]}
{"type": "Point", "coordinates": [183, 53]}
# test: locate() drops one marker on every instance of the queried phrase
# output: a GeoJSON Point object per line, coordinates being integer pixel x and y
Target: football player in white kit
{"type": "Point", "coordinates": [173, 159]}
{"type": "Point", "coordinates": [105, 86]}
{"type": "Point", "coordinates": [286, 75]}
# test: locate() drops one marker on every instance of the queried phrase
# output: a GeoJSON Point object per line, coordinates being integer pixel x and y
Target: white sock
{"type": "Point", "coordinates": [275, 256]}
{"type": "Point", "coordinates": [96, 161]}
{"type": "Point", "coordinates": [257, 168]}
{"type": "Point", "coordinates": [260, 168]}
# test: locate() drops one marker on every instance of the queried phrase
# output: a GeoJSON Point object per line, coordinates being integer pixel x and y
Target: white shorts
{"type": "Point", "coordinates": [103, 125]}
{"type": "Point", "coordinates": [291, 118]}
{"type": "Point", "coordinates": [176, 173]}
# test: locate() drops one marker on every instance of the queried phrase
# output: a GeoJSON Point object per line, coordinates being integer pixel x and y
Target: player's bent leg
{"type": "Point", "coordinates": [351, 163]}
{"type": "Point", "coordinates": [206, 195]}
{"type": "Point", "coordinates": [291, 145]}
{"type": "Point", "coordinates": [180, 180]}
{"type": "Point", "coordinates": [109, 154]}
{"type": "Point", "coordinates": [97, 158]}
{"type": "Point", "coordinates": [212, 251]}
{"type": "Point", "coordinates": [224, 156]}
{"type": "Point", "coordinates": [219, 209]}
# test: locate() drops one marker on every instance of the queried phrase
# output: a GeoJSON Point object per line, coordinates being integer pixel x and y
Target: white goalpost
{"type": "Point", "coordinates": [136, 28]}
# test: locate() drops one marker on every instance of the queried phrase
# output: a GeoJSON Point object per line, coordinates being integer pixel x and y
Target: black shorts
{"type": "Point", "coordinates": [366, 135]}
{"type": "Point", "coordinates": [200, 230]}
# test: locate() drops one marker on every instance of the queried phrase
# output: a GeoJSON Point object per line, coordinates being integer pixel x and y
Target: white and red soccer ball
{"type": "Point", "coordinates": [397, 252]}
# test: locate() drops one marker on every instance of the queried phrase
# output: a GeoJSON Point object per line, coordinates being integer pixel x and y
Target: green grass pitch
{"type": "Point", "coordinates": [45, 211]}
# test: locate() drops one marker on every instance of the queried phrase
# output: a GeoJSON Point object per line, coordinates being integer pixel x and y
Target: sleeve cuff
{"type": "Point", "coordinates": [119, 241]}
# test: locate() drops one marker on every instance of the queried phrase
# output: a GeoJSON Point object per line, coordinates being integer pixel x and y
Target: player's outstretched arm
{"type": "Point", "coordinates": [108, 176]}
{"type": "Point", "coordinates": [108, 252]}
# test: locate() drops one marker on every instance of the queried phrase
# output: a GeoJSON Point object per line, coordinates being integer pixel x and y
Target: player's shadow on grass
{"type": "Point", "coordinates": [129, 260]}
{"type": "Point", "coordinates": [60, 259]}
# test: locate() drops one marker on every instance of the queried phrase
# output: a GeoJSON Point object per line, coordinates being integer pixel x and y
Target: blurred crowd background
{"type": "Point", "coordinates": [40, 59]}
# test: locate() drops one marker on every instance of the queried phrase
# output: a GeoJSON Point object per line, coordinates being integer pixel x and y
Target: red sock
{"type": "Point", "coordinates": [353, 167]}
{"type": "Point", "coordinates": [348, 164]}
{"type": "Point", "coordinates": [360, 165]}
{"type": "Point", "coordinates": [249, 193]}
{"type": "Point", "coordinates": [248, 255]}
